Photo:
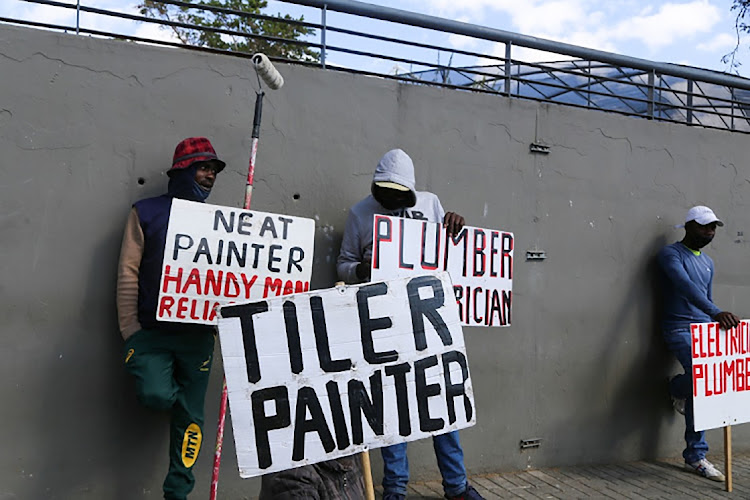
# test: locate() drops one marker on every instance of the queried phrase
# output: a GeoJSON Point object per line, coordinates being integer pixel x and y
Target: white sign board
{"type": "Point", "coordinates": [218, 255]}
{"type": "Point", "coordinates": [330, 373]}
{"type": "Point", "coordinates": [480, 262]}
{"type": "Point", "coordinates": [721, 375]}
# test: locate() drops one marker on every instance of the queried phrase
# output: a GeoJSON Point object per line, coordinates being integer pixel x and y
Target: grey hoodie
{"type": "Point", "coordinates": [395, 166]}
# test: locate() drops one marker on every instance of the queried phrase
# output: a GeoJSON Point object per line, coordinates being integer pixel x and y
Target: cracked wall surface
{"type": "Point", "coordinates": [83, 120]}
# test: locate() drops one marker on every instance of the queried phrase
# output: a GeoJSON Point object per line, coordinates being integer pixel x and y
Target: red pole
{"type": "Point", "coordinates": [224, 398]}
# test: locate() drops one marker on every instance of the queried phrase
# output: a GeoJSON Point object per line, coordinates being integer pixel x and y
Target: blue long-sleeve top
{"type": "Point", "coordinates": [687, 280]}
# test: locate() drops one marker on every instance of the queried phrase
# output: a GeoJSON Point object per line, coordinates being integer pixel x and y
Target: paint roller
{"type": "Point", "coordinates": [266, 71]}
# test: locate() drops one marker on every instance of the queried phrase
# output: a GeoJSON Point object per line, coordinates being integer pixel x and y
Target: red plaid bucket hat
{"type": "Point", "coordinates": [194, 149]}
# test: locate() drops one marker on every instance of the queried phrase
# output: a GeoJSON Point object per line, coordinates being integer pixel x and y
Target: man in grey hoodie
{"type": "Point", "coordinates": [393, 194]}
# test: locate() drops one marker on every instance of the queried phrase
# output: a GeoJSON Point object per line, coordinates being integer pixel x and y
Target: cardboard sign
{"type": "Point", "coordinates": [480, 262]}
{"type": "Point", "coordinates": [330, 373]}
{"type": "Point", "coordinates": [721, 374]}
{"type": "Point", "coordinates": [217, 255]}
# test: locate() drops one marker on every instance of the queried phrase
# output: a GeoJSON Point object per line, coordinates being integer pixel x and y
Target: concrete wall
{"type": "Point", "coordinates": [82, 120]}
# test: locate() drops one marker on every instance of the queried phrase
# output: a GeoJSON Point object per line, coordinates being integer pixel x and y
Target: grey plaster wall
{"type": "Point", "coordinates": [582, 367]}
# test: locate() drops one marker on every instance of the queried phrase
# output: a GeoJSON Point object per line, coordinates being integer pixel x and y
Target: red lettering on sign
{"type": "Point", "coordinates": [272, 285]}
{"type": "Point", "coordinates": [194, 279]}
{"type": "Point", "coordinates": [695, 335]}
{"type": "Point", "coordinates": [231, 280]}
{"type": "Point", "coordinates": [697, 374]}
{"type": "Point", "coordinates": [177, 280]}
{"type": "Point", "coordinates": [213, 281]}
{"type": "Point", "coordinates": [165, 306]}
{"type": "Point", "coordinates": [248, 284]}
{"type": "Point", "coordinates": [182, 307]}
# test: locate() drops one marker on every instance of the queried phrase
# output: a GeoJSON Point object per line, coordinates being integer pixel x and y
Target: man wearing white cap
{"type": "Point", "coordinates": [687, 277]}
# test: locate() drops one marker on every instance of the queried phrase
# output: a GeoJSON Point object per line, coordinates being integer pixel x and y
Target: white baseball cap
{"type": "Point", "coordinates": [702, 215]}
{"type": "Point", "coordinates": [392, 185]}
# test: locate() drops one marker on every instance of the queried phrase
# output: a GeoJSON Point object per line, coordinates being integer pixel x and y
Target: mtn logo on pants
{"type": "Point", "coordinates": [191, 445]}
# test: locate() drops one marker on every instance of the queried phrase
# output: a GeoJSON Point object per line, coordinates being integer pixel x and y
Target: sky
{"type": "Point", "coordinates": [691, 32]}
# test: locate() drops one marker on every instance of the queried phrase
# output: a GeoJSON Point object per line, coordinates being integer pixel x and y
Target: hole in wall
{"type": "Point", "coordinates": [141, 181]}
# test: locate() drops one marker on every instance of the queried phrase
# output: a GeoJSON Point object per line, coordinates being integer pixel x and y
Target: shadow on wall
{"type": "Point", "coordinates": [637, 382]}
{"type": "Point", "coordinates": [98, 442]}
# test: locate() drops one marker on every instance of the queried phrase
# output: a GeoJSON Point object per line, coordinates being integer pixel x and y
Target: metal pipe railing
{"type": "Point", "coordinates": [636, 87]}
{"type": "Point", "coordinates": [496, 35]}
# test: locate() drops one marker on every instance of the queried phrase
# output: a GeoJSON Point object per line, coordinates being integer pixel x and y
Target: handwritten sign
{"type": "Point", "coordinates": [480, 262]}
{"type": "Point", "coordinates": [325, 374]}
{"type": "Point", "coordinates": [721, 374]}
{"type": "Point", "coordinates": [216, 255]}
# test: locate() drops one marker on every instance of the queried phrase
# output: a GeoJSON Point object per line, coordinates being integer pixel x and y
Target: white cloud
{"type": "Point", "coordinates": [622, 20]}
{"type": "Point", "coordinates": [670, 24]}
{"type": "Point", "coordinates": [721, 42]}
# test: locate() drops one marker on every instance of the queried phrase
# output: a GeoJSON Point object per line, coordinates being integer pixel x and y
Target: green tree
{"type": "Point", "coordinates": [234, 21]}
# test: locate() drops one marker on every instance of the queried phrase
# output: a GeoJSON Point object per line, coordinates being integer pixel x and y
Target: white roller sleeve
{"type": "Point", "coordinates": [267, 72]}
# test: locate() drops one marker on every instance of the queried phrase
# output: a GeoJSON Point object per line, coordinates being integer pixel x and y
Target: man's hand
{"type": "Point", "coordinates": [727, 320]}
{"type": "Point", "coordinates": [454, 223]}
{"type": "Point", "coordinates": [363, 269]}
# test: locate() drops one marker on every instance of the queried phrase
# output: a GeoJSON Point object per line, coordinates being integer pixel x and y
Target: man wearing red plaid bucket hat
{"type": "Point", "coordinates": [170, 361]}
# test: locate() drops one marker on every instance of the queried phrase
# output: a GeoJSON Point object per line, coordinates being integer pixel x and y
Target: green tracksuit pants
{"type": "Point", "coordinates": [171, 372]}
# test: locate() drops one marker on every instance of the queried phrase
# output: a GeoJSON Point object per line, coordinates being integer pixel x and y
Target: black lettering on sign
{"type": "Point", "coordinates": [506, 267]}
{"type": "Point", "coordinates": [507, 296]}
{"type": "Point", "coordinates": [360, 403]}
{"type": "Point", "coordinates": [296, 255]}
{"type": "Point", "coordinates": [480, 258]}
{"type": "Point", "coordinates": [271, 258]}
{"type": "Point", "coordinates": [337, 412]}
{"type": "Point", "coordinates": [219, 216]}
{"type": "Point", "coordinates": [477, 318]}
{"type": "Point", "coordinates": [178, 246]}
{"type": "Point", "coordinates": [292, 336]}
{"type": "Point", "coordinates": [239, 257]}
{"type": "Point", "coordinates": [321, 340]}
{"type": "Point", "coordinates": [458, 291]}
{"type": "Point", "coordinates": [244, 224]}
{"type": "Point", "coordinates": [495, 308]}
{"type": "Point", "coordinates": [427, 308]}
{"type": "Point", "coordinates": [424, 392]}
{"type": "Point", "coordinates": [452, 241]}
{"type": "Point", "coordinates": [398, 372]}
{"type": "Point", "coordinates": [268, 225]}
{"type": "Point", "coordinates": [286, 221]}
{"type": "Point", "coordinates": [257, 247]}
{"type": "Point", "coordinates": [424, 262]}
{"type": "Point", "coordinates": [452, 390]}
{"type": "Point", "coordinates": [383, 232]}
{"type": "Point", "coordinates": [493, 251]}
{"type": "Point", "coordinates": [205, 251]}
{"type": "Point", "coordinates": [367, 325]}
{"type": "Point", "coordinates": [245, 312]}
{"type": "Point", "coordinates": [307, 400]}
{"type": "Point", "coordinates": [263, 423]}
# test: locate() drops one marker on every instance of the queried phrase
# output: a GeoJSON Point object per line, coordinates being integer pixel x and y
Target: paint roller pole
{"type": "Point", "coordinates": [265, 70]}
{"type": "Point", "coordinates": [273, 79]}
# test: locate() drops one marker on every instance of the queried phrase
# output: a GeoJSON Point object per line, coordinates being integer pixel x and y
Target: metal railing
{"type": "Point", "coordinates": [574, 76]}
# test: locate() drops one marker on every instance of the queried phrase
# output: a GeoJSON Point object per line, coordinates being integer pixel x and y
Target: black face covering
{"type": "Point", "coordinates": [182, 185]}
{"type": "Point", "coordinates": [702, 241]}
{"type": "Point", "coordinates": [391, 199]}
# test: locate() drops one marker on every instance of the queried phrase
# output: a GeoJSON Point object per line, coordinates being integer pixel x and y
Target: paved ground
{"type": "Point", "coordinates": [654, 479]}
